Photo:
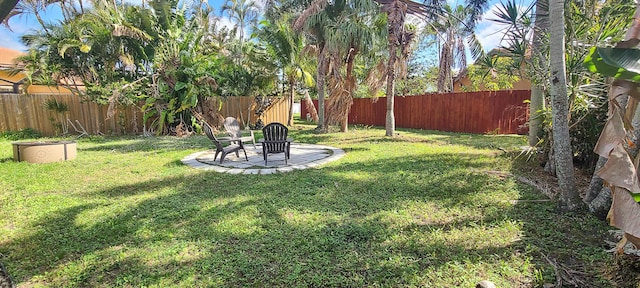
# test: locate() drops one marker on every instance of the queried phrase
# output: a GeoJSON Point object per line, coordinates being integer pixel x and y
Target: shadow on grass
{"type": "Point", "coordinates": [146, 144]}
{"type": "Point", "coordinates": [478, 141]}
{"type": "Point", "coordinates": [340, 225]}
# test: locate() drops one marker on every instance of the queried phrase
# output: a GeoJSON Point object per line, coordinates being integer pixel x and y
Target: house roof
{"type": "Point", "coordinates": [7, 56]}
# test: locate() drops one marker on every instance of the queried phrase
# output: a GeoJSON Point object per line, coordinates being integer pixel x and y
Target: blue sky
{"type": "Point", "coordinates": [488, 32]}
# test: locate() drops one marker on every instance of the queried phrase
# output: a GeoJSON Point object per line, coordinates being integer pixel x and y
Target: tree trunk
{"type": "Point", "coordinates": [444, 70]}
{"type": "Point", "coordinates": [569, 197]}
{"type": "Point", "coordinates": [350, 86]}
{"type": "Point", "coordinates": [595, 186]}
{"type": "Point", "coordinates": [344, 127]}
{"type": "Point", "coordinates": [537, 93]}
{"type": "Point", "coordinates": [320, 87]}
{"type": "Point", "coordinates": [390, 124]}
{"type": "Point", "coordinates": [536, 105]}
{"type": "Point", "coordinates": [550, 166]}
{"type": "Point", "coordinates": [291, 94]}
{"type": "Point", "coordinates": [600, 205]}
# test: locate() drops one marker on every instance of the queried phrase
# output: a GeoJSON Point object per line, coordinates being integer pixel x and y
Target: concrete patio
{"type": "Point", "coordinates": [303, 156]}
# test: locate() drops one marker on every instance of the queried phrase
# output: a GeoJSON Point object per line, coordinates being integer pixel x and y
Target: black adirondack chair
{"type": "Point", "coordinates": [275, 141]}
{"type": "Point", "coordinates": [235, 145]}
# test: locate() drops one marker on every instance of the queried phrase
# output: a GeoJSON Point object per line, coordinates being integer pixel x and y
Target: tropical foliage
{"type": "Point", "coordinates": [585, 27]}
{"type": "Point", "coordinates": [488, 73]}
{"type": "Point", "coordinates": [171, 55]}
{"type": "Point", "coordinates": [455, 37]}
{"type": "Point", "coordinates": [620, 170]}
{"type": "Point", "coordinates": [167, 56]}
{"type": "Point", "coordinates": [286, 47]}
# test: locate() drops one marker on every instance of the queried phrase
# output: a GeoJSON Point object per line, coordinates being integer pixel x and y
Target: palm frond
{"type": "Point", "coordinates": [314, 8]}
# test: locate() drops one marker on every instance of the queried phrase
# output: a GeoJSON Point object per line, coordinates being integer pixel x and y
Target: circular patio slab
{"type": "Point", "coordinates": [302, 156]}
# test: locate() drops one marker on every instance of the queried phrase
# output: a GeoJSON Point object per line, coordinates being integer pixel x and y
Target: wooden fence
{"type": "Point", "coordinates": [18, 111]}
{"type": "Point", "coordinates": [500, 112]}
{"type": "Point", "coordinates": [243, 107]}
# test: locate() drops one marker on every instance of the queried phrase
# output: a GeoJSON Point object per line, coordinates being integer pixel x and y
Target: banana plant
{"type": "Point", "coordinates": [620, 169]}
{"type": "Point", "coordinates": [619, 63]}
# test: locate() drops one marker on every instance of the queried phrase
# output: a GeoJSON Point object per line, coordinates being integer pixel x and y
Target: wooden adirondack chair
{"type": "Point", "coordinates": [235, 145]}
{"type": "Point", "coordinates": [232, 127]}
{"type": "Point", "coordinates": [275, 141]}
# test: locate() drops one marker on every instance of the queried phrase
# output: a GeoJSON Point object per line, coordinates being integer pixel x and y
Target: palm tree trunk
{"type": "Point", "coordinates": [390, 124]}
{"type": "Point", "coordinates": [291, 94]}
{"type": "Point", "coordinates": [536, 105]}
{"type": "Point", "coordinates": [444, 75]}
{"type": "Point", "coordinates": [569, 198]}
{"type": "Point", "coordinates": [320, 87]}
{"type": "Point", "coordinates": [350, 85]}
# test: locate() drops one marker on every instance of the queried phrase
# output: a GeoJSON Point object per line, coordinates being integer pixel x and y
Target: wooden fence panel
{"type": "Point", "coordinates": [243, 107]}
{"type": "Point", "coordinates": [501, 112]}
{"type": "Point", "coordinates": [18, 111]}
{"type": "Point", "coordinates": [277, 112]}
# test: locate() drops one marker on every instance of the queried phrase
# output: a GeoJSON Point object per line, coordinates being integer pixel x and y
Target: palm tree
{"type": "Point", "coordinates": [453, 31]}
{"type": "Point", "coordinates": [286, 47]}
{"type": "Point", "coordinates": [315, 18]}
{"type": "Point", "coordinates": [342, 30]}
{"type": "Point", "coordinates": [528, 53]}
{"type": "Point", "coordinates": [569, 197]}
{"type": "Point", "coordinates": [244, 13]}
{"type": "Point", "coordinates": [620, 171]}
{"type": "Point", "coordinates": [536, 107]}
{"type": "Point", "coordinates": [27, 7]}
{"type": "Point", "coordinates": [396, 11]}
{"type": "Point", "coordinates": [357, 28]}
{"type": "Point", "coordinates": [314, 23]}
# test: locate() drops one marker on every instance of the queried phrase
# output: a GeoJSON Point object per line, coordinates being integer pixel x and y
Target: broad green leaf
{"type": "Point", "coordinates": [620, 63]}
{"type": "Point", "coordinates": [149, 114]}
{"type": "Point", "coordinates": [180, 86]}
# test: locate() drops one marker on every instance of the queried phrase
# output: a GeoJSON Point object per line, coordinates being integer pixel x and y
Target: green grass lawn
{"type": "Point", "coordinates": [415, 210]}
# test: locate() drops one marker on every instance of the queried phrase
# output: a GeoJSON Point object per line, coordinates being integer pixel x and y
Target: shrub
{"type": "Point", "coordinates": [24, 133]}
